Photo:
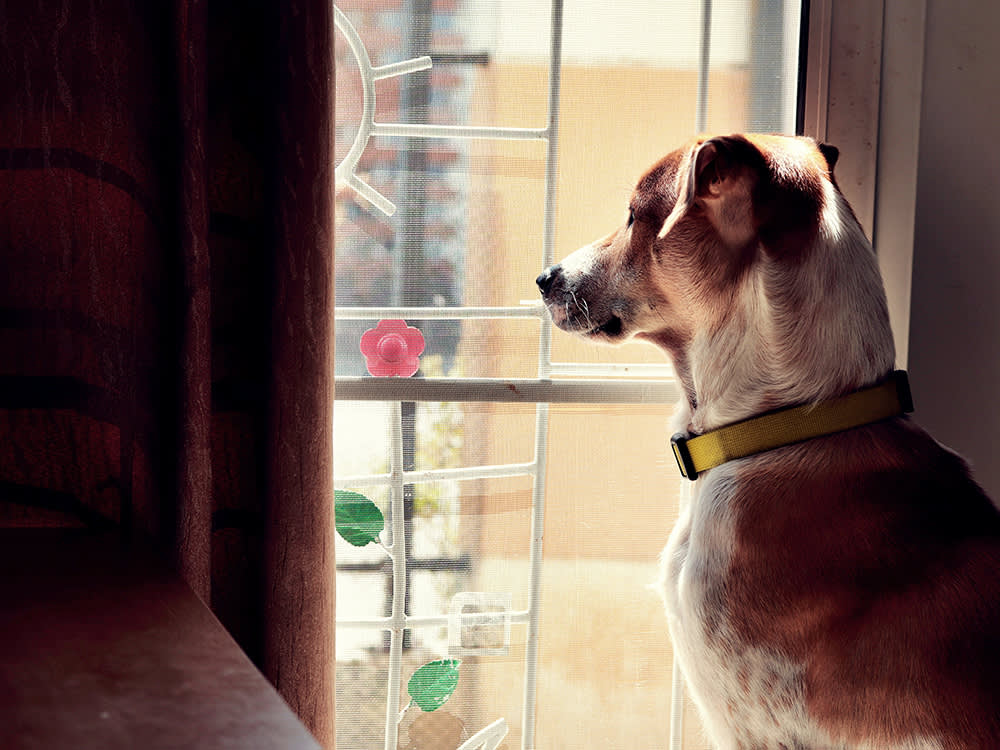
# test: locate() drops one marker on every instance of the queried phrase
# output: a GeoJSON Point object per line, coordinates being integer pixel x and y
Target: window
{"type": "Point", "coordinates": [524, 477]}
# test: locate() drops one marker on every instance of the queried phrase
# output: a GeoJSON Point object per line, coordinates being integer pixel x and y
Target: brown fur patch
{"type": "Point", "coordinates": [871, 557]}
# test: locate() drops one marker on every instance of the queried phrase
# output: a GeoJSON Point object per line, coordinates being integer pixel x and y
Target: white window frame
{"type": "Point", "coordinates": [876, 129]}
{"type": "Point", "coordinates": [862, 93]}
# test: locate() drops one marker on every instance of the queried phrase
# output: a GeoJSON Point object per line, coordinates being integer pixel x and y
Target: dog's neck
{"type": "Point", "coordinates": [794, 333]}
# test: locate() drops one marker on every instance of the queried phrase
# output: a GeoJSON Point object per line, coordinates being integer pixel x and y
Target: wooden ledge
{"type": "Point", "coordinates": [102, 648]}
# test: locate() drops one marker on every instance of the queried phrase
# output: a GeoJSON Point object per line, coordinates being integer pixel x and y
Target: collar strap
{"type": "Point", "coordinates": [694, 455]}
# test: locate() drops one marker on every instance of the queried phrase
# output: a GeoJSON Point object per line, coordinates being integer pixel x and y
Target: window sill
{"type": "Point", "coordinates": [104, 648]}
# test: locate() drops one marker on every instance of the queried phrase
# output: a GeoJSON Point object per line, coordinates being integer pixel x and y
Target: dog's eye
{"type": "Point", "coordinates": [631, 218]}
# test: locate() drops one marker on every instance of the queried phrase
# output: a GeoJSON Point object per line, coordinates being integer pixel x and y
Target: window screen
{"type": "Point", "coordinates": [523, 478]}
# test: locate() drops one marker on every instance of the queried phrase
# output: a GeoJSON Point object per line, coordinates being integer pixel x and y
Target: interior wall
{"type": "Point", "coordinates": [954, 342]}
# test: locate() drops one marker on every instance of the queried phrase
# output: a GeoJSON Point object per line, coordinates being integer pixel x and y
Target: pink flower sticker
{"type": "Point", "coordinates": [392, 348]}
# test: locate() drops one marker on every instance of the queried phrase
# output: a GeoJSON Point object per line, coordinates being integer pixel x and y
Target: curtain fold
{"type": "Point", "coordinates": [193, 522]}
{"type": "Point", "coordinates": [300, 415]}
{"type": "Point", "coordinates": [166, 221]}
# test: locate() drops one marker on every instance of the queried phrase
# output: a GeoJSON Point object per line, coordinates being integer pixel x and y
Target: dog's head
{"type": "Point", "coordinates": [741, 258]}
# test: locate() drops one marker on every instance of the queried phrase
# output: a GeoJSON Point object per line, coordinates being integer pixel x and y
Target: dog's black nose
{"type": "Point", "coordinates": [546, 277]}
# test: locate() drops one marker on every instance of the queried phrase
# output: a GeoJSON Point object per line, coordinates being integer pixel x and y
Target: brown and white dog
{"type": "Point", "coordinates": [842, 592]}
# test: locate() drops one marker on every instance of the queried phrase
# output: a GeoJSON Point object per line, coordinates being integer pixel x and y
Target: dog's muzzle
{"type": "Point", "coordinates": [570, 310]}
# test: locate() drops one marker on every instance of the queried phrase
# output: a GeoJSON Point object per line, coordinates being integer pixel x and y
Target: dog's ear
{"type": "Point", "coordinates": [722, 175]}
{"type": "Point", "coordinates": [706, 172]}
{"type": "Point", "coordinates": [716, 163]}
{"type": "Point", "coordinates": [766, 187]}
{"type": "Point", "coordinates": [831, 154]}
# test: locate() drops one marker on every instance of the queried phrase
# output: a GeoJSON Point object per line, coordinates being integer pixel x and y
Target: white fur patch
{"type": "Point", "coordinates": [746, 696]}
{"type": "Point", "coordinates": [765, 354]}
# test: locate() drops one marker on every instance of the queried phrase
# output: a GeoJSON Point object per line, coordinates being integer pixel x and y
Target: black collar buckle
{"type": "Point", "coordinates": [683, 456]}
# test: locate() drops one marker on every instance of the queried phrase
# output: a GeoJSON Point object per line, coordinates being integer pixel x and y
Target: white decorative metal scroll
{"type": "Point", "coordinates": [346, 171]}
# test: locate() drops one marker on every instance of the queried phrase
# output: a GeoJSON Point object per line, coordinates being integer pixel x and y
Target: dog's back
{"type": "Point", "coordinates": [842, 592]}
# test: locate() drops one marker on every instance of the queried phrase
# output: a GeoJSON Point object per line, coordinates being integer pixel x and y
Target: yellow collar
{"type": "Point", "coordinates": [700, 453]}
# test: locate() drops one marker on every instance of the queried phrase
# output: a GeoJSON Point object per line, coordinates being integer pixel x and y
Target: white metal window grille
{"type": "Point", "coordinates": [554, 383]}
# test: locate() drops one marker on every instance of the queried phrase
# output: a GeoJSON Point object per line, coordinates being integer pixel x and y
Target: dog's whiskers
{"type": "Point", "coordinates": [586, 313]}
{"type": "Point", "coordinates": [584, 307]}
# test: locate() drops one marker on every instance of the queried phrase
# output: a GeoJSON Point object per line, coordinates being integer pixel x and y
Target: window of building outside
{"type": "Point", "coordinates": [636, 80]}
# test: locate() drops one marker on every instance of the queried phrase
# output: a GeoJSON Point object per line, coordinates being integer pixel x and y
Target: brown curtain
{"type": "Point", "coordinates": [166, 301]}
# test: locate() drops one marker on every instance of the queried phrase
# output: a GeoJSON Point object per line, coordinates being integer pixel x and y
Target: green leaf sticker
{"type": "Point", "coordinates": [359, 520]}
{"type": "Point", "coordinates": [432, 685]}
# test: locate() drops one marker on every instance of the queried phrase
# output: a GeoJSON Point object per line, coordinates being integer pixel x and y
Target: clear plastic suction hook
{"type": "Point", "coordinates": [479, 624]}
{"type": "Point", "coordinates": [346, 172]}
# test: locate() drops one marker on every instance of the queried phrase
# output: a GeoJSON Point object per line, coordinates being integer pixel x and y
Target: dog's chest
{"type": "Point", "coordinates": [749, 694]}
